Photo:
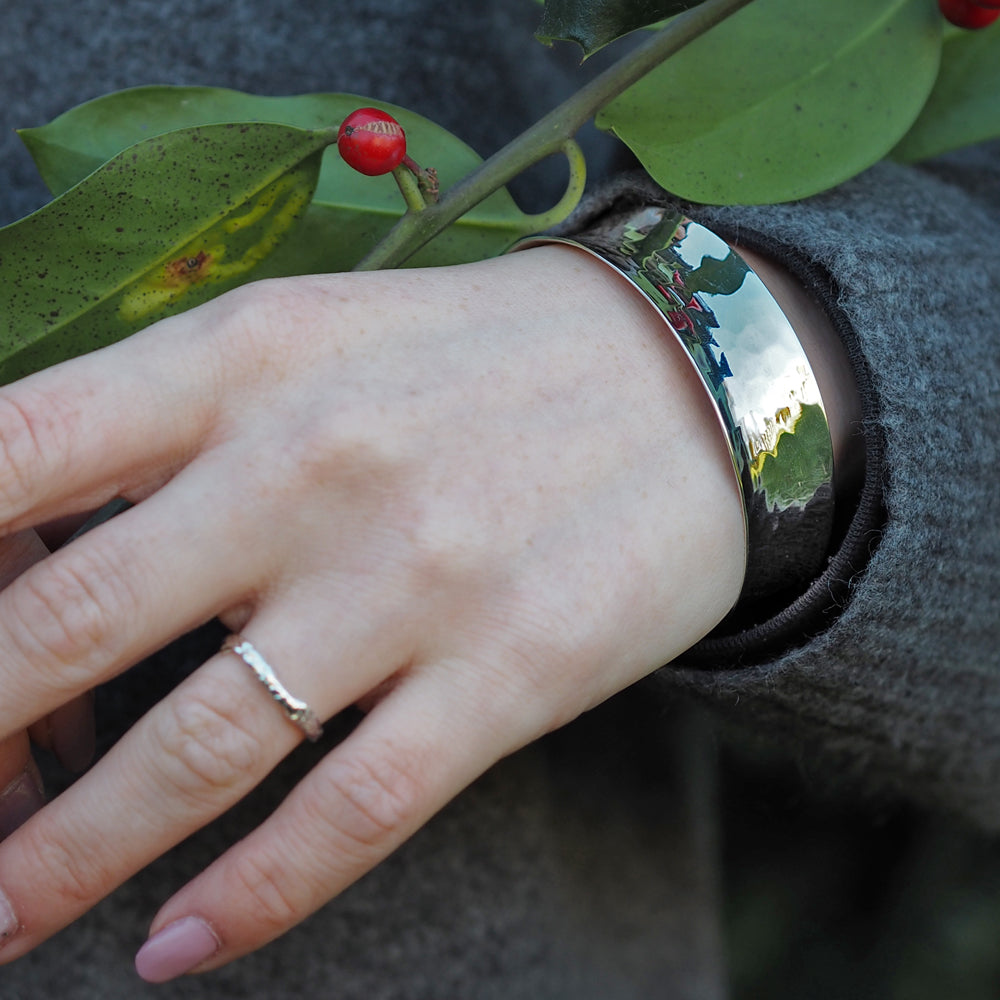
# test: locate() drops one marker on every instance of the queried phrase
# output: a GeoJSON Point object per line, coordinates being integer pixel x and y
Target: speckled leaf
{"type": "Point", "coordinates": [164, 225]}
{"type": "Point", "coordinates": [350, 212]}
{"type": "Point", "coordinates": [592, 24]}
{"type": "Point", "coordinates": [964, 106]}
{"type": "Point", "coordinates": [783, 99]}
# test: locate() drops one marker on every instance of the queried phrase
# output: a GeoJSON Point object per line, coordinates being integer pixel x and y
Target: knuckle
{"type": "Point", "coordinates": [31, 425]}
{"type": "Point", "coordinates": [67, 608]}
{"type": "Point", "coordinates": [70, 872]}
{"type": "Point", "coordinates": [369, 800]}
{"type": "Point", "coordinates": [360, 441]}
{"type": "Point", "coordinates": [256, 315]}
{"type": "Point", "coordinates": [246, 302]}
{"type": "Point", "coordinates": [263, 891]}
{"type": "Point", "coordinates": [206, 743]}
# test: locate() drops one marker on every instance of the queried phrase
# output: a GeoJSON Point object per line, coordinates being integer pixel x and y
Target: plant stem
{"type": "Point", "coordinates": [546, 136]}
{"type": "Point", "coordinates": [409, 188]}
{"type": "Point", "coordinates": [571, 196]}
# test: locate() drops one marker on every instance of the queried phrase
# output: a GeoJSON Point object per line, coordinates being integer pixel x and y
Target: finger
{"type": "Point", "coordinates": [69, 733]}
{"type": "Point", "coordinates": [180, 557]}
{"type": "Point", "coordinates": [189, 759]}
{"type": "Point", "coordinates": [76, 435]}
{"type": "Point", "coordinates": [14, 754]}
{"type": "Point", "coordinates": [58, 532]}
{"type": "Point", "coordinates": [18, 552]}
{"type": "Point", "coordinates": [122, 590]}
{"type": "Point", "coordinates": [21, 792]}
{"type": "Point", "coordinates": [378, 787]}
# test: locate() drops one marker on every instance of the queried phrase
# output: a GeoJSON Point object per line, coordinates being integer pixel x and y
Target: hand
{"type": "Point", "coordinates": [478, 499]}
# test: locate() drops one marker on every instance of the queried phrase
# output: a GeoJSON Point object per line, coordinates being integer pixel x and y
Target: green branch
{"type": "Point", "coordinates": [409, 188]}
{"type": "Point", "coordinates": [571, 196]}
{"type": "Point", "coordinates": [547, 136]}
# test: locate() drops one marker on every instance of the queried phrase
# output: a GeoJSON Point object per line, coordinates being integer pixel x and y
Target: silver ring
{"type": "Point", "coordinates": [297, 711]}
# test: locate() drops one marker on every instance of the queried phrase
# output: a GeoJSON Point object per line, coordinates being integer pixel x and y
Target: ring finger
{"type": "Point", "coordinates": [356, 806]}
{"type": "Point", "coordinates": [189, 759]}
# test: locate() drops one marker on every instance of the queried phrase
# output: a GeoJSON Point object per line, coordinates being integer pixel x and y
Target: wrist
{"type": "Point", "coordinates": [757, 375]}
{"type": "Point", "coordinates": [674, 464]}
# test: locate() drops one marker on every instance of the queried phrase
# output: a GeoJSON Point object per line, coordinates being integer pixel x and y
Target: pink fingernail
{"type": "Point", "coordinates": [177, 949]}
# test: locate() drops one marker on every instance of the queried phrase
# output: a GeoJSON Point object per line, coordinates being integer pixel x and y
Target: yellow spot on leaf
{"type": "Point", "coordinates": [200, 262]}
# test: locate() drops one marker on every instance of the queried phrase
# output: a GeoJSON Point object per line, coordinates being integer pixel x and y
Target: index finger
{"type": "Point", "coordinates": [80, 433]}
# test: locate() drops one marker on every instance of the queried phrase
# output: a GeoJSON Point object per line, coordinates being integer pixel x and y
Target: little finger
{"type": "Point", "coordinates": [419, 746]}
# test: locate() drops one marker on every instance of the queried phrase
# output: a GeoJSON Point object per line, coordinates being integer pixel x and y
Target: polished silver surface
{"type": "Point", "coordinates": [297, 711]}
{"type": "Point", "coordinates": [755, 370]}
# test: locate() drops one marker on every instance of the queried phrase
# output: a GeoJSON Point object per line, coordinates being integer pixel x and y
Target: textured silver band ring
{"type": "Point", "coordinates": [297, 711]}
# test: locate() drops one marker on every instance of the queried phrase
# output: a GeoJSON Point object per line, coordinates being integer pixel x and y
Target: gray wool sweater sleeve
{"type": "Point", "coordinates": [897, 679]}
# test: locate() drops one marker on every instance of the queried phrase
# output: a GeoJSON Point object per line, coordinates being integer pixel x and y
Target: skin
{"type": "Point", "coordinates": [68, 731]}
{"type": "Point", "coordinates": [477, 520]}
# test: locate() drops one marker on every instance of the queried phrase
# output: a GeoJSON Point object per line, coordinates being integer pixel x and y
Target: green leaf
{"type": "Point", "coordinates": [166, 224]}
{"type": "Point", "coordinates": [963, 107]}
{"type": "Point", "coordinates": [350, 212]}
{"type": "Point", "coordinates": [782, 100]}
{"type": "Point", "coordinates": [592, 24]}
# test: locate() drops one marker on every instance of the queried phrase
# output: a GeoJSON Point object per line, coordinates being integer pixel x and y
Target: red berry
{"type": "Point", "coordinates": [966, 14]}
{"type": "Point", "coordinates": [371, 141]}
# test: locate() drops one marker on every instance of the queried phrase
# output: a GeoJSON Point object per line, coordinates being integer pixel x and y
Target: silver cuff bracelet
{"type": "Point", "coordinates": [754, 369]}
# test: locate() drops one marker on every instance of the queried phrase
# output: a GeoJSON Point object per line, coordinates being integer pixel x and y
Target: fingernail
{"type": "Point", "coordinates": [20, 800]}
{"type": "Point", "coordinates": [8, 920]}
{"type": "Point", "coordinates": [177, 949]}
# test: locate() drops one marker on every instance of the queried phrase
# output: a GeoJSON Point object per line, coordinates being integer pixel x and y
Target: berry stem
{"type": "Point", "coordinates": [546, 136]}
{"type": "Point", "coordinates": [412, 165]}
{"type": "Point", "coordinates": [427, 180]}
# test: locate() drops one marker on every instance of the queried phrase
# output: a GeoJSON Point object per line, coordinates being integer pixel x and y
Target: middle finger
{"type": "Point", "coordinates": [119, 592]}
